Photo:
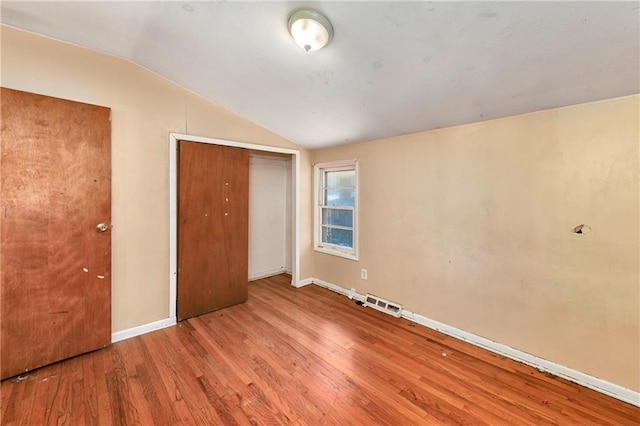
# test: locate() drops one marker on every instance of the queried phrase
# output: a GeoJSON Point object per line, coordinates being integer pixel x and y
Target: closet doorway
{"type": "Point", "coordinates": [270, 160]}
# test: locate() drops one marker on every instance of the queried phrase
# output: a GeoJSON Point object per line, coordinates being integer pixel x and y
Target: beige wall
{"type": "Point", "coordinates": [470, 226]}
{"type": "Point", "coordinates": [145, 108]}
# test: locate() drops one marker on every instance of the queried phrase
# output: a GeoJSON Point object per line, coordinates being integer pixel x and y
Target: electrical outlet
{"type": "Point", "coordinates": [363, 274]}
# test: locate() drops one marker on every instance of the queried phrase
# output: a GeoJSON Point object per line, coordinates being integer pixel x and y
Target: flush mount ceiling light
{"type": "Point", "coordinates": [310, 29]}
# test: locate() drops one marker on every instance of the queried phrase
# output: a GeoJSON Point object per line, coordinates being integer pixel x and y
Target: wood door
{"type": "Point", "coordinates": [213, 227]}
{"type": "Point", "coordinates": [55, 290]}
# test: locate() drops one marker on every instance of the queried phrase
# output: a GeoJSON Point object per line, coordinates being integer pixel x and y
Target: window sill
{"type": "Point", "coordinates": [336, 252]}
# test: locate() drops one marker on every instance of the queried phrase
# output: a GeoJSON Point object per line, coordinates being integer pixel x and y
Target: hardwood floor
{"type": "Point", "coordinates": [299, 356]}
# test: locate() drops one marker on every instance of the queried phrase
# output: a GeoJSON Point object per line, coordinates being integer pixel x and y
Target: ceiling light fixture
{"type": "Point", "coordinates": [310, 29]}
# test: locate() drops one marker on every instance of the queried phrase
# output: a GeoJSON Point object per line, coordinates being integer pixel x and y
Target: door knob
{"type": "Point", "coordinates": [102, 227]}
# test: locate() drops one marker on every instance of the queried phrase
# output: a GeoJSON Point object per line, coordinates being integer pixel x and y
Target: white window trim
{"type": "Point", "coordinates": [318, 245]}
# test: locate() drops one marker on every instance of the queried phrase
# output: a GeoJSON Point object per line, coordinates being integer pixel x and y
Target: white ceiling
{"type": "Point", "coordinates": [392, 68]}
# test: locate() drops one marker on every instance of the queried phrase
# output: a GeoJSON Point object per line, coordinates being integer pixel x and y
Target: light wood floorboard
{"type": "Point", "coordinates": [299, 356]}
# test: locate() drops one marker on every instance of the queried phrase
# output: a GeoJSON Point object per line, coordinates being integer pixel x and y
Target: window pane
{"type": "Point", "coordinates": [339, 237]}
{"type": "Point", "coordinates": [340, 197]}
{"type": "Point", "coordinates": [335, 196]}
{"type": "Point", "coordinates": [337, 217]}
{"type": "Point", "coordinates": [341, 179]}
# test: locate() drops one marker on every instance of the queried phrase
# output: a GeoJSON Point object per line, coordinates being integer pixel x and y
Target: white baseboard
{"type": "Point", "coordinates": [541, 364]}
{"type": "Point", "coordinates": [583, 379]}
{"type": "Point", "coordinates": [302, 283]}
{"type": "Point", "coordinates": [338, 289]}
{"type": "Point", "coordinates": [265, 274]}
{"type": "Point", "coordinates": [142, 329]}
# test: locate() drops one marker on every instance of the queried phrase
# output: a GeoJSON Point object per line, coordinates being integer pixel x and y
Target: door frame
{"type": "Point", "coordinates": [173, 205]}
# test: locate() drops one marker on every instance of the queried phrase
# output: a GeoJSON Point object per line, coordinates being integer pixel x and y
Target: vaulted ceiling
{"type": "Point", "coordinates": [392, 68]}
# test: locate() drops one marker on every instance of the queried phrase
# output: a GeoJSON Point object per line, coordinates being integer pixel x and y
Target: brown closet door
{"type": "Point", "coordinates": [55, 290]}
{"type": "Point", "coordinates": [213, 227]}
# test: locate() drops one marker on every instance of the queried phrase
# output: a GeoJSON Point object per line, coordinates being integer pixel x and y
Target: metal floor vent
{"type": "Point", "coordinates": [382, 305]}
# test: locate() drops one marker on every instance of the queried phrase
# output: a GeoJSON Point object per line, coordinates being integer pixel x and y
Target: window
{"type": "Point", "coordinates": [336, 208]}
